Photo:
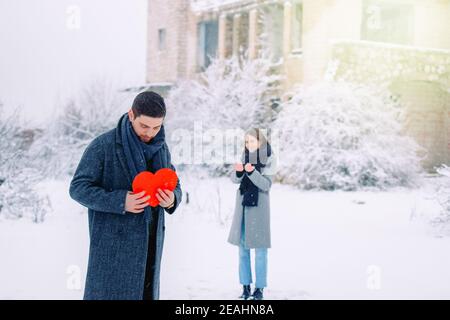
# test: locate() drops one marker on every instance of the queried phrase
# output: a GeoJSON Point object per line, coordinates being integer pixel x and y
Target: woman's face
{"type": "Point", "coordinates": [251, 143]}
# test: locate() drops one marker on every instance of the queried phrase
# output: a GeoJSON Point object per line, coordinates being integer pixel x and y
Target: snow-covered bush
{"type": "Point", "coordinates": [344, 136]}
{"type": "Point", "coordinates": [235, 93]}
{"type": "Point", "coordinates": [19, 195]}
{"type": "Point", "coordinates": [442, 220]}
{"type": "Point", "coordinates": [11, 144]}
{"type": "Point", "coordinates": [95, 110]}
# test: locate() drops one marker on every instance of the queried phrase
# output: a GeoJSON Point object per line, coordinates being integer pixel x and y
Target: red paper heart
{"type": "Point", "coordinates": [164, 179]}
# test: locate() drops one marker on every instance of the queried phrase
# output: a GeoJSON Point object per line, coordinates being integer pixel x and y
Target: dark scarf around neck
{"type": "Point", "coordinates": [141, 156]}
{"type": "Point", "coordinates": [258, 159]}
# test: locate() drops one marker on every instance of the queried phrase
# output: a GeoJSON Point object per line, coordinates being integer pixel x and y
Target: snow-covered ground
{"type": "Point", "coordinates": [326, 245]}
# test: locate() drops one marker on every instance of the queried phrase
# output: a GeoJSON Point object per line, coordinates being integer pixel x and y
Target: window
{"type": "Point", "coordinates": [161, 39]}
{"type": "Point", "coordinates": [272, 35]}
{"type": "Point", "coordinates": [297, 29]}
{"type": "Point", "coordinates": [207, 42]}
{"type": "Point", "coordinates": [390, 22]}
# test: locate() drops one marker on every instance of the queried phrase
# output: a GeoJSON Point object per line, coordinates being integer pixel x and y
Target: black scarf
{"type": "Point", "coordinates": [258, 159]}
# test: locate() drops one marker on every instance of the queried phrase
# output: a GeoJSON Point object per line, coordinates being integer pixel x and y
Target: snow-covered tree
{"type": "Point", "coordinates": [236, 93]}
{"type": "Point", "coordinates": [56, 150]}
{"type": "Point", "coordinates": [95, 110]}
{"type": "Point", "coordinates": [345, 136]}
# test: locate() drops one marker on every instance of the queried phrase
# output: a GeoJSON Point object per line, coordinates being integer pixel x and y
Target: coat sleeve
{"type": "Point", "coordinates": [263, 179]}
{"type": "Point", "coordinates": [235, 177]}
{"type": "Point", "coordinates": [86, 187]}
{"type": "Point", "coordinates": [177, 192]}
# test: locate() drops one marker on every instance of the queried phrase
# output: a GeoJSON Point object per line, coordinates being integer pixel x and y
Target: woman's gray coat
{"type": "Point", "coordinates": [257, 219]}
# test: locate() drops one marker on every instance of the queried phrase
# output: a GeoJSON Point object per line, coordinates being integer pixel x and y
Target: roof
{"type": "Point", "coordinates": [215, 5]}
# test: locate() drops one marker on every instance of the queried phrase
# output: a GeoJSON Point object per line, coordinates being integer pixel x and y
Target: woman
{"type": "Point", "coordinates": [251, 221]}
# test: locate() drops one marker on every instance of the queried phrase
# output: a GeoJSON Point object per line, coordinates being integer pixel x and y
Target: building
{"type": "Point", "coordinates": [403, 44]}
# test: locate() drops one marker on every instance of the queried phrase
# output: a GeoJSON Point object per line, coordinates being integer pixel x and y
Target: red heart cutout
{"type": "Point", "coordinates": [146, 181]}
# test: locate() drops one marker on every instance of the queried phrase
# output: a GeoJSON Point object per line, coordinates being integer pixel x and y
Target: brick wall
{"type": "Point", "coordinates": [171, 63]}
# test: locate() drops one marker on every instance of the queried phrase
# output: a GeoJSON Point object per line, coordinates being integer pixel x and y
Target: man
{"type": "Point", "coordinates": [126, 234]}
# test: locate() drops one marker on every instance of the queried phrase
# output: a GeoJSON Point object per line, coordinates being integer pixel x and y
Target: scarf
{"type": "Point", "coordinates": [258, 159]}
{"type": "Point", "coordinates": [139, 155]}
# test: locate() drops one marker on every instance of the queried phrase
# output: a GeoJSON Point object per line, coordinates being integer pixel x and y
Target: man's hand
{"type": "Point", "coordinates": [166, 198]}
{"type": "Point", "coordinates": [239, 167]}
{"type": "Point", "coordinates": [135, 203]}
{"type": "Point", "coordinates": [249, 167]}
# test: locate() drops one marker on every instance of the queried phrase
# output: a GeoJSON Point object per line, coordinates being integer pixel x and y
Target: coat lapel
{"type": "Point", "coordinates": [121, 155]}
{"type": "Point", "coordinates": [123, 162]}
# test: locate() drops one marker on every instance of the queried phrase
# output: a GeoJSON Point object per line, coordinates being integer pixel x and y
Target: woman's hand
{"type": "Point", "coordinates": [249, 167]}
{"type": "Point", "coordinates": [239, 167]}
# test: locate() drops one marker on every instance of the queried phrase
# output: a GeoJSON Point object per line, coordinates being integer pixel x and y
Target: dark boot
{"type": "Point", "coordinates": [258, 294]}
{"type": "Point", "coordinates": [246, 293]}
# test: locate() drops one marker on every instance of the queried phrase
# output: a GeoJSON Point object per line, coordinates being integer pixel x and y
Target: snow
{"type": "Point", "coordinates": [205, 5]}
{"type": "Point", "coordinates": [326, 245]}
{"type": "Point", "coordinates": [37, 257]}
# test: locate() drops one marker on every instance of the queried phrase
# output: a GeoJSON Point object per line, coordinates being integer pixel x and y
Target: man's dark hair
{"type": "Point", "coordinates": [149, 103]}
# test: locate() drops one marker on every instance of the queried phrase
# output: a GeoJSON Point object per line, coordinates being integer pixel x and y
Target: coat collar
{"type": "Point", "coordinates": [118, 137]}
{"type": "Point", "coordinates": [123, 163]}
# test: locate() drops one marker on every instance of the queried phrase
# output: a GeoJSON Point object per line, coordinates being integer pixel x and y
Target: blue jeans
{"type": "Point", "coordinates": [245, 271]}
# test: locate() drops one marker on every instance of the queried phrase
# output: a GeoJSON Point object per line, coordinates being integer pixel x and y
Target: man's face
{"type": "Point", "coordinates": [145, 127]}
